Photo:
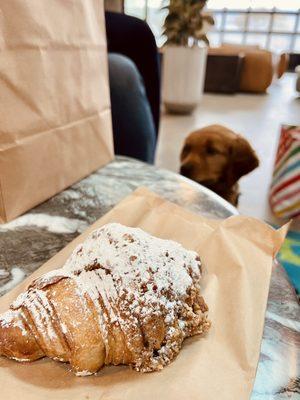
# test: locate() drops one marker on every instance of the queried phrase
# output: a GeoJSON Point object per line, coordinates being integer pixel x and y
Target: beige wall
{"type": "Point", "coordinates": [113, 5]}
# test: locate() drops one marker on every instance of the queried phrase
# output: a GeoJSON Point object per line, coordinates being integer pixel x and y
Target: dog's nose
{"type": "Point", "coordinates": [186, 169]}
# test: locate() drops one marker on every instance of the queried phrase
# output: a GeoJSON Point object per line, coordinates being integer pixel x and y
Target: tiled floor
{"type": "Point", "coordinates": [257, 117]}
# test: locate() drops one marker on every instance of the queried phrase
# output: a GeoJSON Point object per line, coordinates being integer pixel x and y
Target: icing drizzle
{"type": "Point", "coordinates": [134, 277]}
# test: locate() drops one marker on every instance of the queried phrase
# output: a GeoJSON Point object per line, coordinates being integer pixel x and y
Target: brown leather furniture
{"type": "Point", "coordinates": [258, 68]}
{"type": "Point", "coordinates": [223, 73]}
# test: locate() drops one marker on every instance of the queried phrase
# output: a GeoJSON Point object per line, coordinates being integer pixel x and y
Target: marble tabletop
{"type": "Point", "coordinates": [47, 228]}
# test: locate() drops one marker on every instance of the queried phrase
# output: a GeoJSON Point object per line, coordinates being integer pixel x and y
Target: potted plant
{"type": "Point", "coordinates": [184, 54]}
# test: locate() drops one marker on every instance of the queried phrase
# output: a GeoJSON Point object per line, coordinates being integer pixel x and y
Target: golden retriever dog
{"type": "Point", "coordinates": [217, 158]}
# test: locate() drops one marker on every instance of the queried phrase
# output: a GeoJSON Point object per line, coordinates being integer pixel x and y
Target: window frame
{"type": "Point", "coordinates": [269, 31]}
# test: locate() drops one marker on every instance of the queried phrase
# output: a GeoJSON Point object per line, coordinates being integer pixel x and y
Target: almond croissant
{"type": "Point", "coordinates": [123, 297]}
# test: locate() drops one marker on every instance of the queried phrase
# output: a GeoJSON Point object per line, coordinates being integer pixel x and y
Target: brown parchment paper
{"type": "Point", "coordinates": [237, 254]}
{"type": "Point", "coordinates": [55, 118]}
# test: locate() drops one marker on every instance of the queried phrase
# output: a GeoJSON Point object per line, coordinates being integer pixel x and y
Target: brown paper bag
{"type": "Point", "coordinates": [237, 254]}
{"type": "Point", "coordinates": [55, 121]}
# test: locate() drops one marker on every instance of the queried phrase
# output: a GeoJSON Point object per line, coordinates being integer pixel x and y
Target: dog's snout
{"type": "Point", "coordinates": [186, 169]}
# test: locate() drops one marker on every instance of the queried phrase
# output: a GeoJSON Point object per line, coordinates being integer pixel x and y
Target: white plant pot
{"type": "Point", "coordinates": [183, 77]}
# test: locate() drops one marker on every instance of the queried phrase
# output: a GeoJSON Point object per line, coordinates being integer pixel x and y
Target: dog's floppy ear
{"type": "Point", "coordinates": [185, 150]}
{"type": "Point", "coordinates": [243, 158]}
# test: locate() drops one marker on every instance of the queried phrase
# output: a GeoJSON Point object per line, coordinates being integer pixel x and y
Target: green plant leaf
{"type": "Point", "coordinates": [209, 19]}
{"type": "Point", "coordinates": [185, 20]}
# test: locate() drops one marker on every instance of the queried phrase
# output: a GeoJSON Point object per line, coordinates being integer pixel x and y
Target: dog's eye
{"type": "Point", "coordinates": [211, 151]}
{"type": "Point", "coordinates": [186, 150]}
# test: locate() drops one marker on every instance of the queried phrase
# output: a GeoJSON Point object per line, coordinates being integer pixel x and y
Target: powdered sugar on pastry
{"type": "Point", "coordinates": [144, 289]}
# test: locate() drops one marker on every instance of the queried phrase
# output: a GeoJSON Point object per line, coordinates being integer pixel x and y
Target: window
{"type": "Point", "coordinates": [272, 24]}
{"type": "Point", "coordinates": [274, 29]}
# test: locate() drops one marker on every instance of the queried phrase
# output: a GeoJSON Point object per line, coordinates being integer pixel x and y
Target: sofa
{"type": "Point", "coordinates": [259, 67]}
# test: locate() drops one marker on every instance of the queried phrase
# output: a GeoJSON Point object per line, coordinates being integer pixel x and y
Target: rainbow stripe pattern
{"type": "Point", "coordinates": [285, 188]}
